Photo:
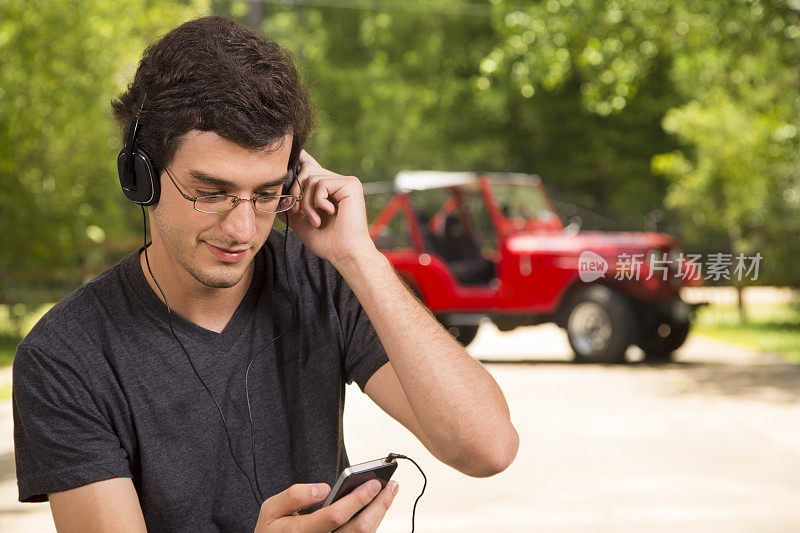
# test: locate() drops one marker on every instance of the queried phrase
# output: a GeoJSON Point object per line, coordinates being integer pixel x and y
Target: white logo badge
{"type": "Point", "coordinates": [591, 266]}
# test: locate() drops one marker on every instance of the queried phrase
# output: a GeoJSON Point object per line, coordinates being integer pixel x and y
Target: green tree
{"type": "Point", "coordinates": [720, 78]}
{"type": "Point", "coordinates": [62, 217]}
{"type": "Point", "coordinates": [737, 170]}
{"type": "Point", "coordinates": [406, 89]}
{"type": "Point", "coordinates": [587, 87]}
{"type": "Point", "coordinates": [392, 88]}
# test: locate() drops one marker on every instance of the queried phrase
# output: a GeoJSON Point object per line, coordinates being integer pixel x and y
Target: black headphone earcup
{"type": "Point", "coordinates": [292, 176]}
{"type": "Point", "coordinates": [139, 179]}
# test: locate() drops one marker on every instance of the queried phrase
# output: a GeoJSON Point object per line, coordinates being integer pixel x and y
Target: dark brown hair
{"type": "Point", "coordinates": [212, 74]}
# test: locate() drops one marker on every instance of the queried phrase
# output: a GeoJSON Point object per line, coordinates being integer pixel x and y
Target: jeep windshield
{"type": "Point", "coordinates": [522, 202]}
{"type": "Point", "coordinates": [420, 207]}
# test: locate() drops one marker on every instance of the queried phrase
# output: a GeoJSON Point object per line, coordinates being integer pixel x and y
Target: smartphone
{"type": "Point", "coordinates": [355, 475]}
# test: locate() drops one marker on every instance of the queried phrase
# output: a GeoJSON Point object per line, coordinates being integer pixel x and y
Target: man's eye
{"type": "Point", "coordinates": [213, 199]}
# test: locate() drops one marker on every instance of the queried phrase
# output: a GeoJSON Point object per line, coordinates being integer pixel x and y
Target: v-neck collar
{"type": "Point", "coordinates": [222, 340]}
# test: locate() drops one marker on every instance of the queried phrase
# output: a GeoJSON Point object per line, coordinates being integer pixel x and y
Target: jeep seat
{"type": "Point", "coordinates": [462, 254]}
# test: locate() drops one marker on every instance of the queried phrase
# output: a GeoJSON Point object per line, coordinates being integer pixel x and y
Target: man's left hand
{"type": "Point", "coordinates": [331, 218]}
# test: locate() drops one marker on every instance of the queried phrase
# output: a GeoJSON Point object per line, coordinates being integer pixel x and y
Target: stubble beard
{"type": "Point", "coordinates": [186, 256]}
{"type": "Point", "coordinates": [224, 281]}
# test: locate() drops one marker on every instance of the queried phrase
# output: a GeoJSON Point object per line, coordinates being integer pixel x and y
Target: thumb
{"type": "Point", "coordinates": [286, 503]}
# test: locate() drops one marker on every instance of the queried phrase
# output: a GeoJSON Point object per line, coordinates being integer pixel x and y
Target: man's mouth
{"type": "Point", "coordinates": [225, 254]}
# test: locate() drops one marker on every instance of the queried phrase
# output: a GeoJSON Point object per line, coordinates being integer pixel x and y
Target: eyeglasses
{"type": "Point", "coordinates": [222, 203]}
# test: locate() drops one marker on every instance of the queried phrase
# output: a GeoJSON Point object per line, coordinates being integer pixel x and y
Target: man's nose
{"type": "Point", "coordinates": [240, 222]}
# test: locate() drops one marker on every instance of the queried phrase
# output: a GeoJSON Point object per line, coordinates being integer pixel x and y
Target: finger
{"type": "Point", "coordinates": [371, 516]}
{"type": "Point", "coordinates": [305, 157]}
{"type": "Point", "coordinates": [333, 184]}
{"type": "Point", "coordinates": [339, 512]}
{"type": "Point", "coordinates": [327, 205]}
{"type": "Point", "coordinates": [321, 196]}
{"type": "Point", "coordinates": [307, 166]}
{"type": "Point", "coordinates": [298, 496]}
{"type": "Point", "coordinates": [309, 190]}
{"type": "Point", "coordinates": [338, 187]}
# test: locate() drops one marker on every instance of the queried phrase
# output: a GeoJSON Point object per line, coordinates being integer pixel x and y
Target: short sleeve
{"type": "Point", "coordinates": [61, 439]}
{"type": "Point", "coordinates": [364, 353]}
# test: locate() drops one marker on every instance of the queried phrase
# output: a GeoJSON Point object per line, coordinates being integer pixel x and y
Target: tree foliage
{"type": "Point", "coordinates": [731, 77]}
{"type": "Point", "coordinates": [404, 89]}
{"type": "Point", "coordinates": [624, 107]}
{"type": "Point", "coordinates": [61, 211]}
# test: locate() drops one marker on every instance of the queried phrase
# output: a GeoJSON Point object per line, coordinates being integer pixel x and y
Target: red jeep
{"type": "Point", "coordinates": [491, 245]}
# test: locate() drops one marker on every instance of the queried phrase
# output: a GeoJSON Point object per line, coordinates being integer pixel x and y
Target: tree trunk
{"type": "Point", "coordinates": [256, 16]}
{"type": "Point", "coordinates": [740, 302]}
{"type": "Point", "coordinates": [734, 237]}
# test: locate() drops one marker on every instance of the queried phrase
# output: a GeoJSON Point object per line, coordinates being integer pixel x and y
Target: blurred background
{"type": "Point", "coordinates": [677, 116]}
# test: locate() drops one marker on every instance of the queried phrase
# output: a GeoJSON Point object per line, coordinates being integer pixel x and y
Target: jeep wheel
{"type": "Point", "coordinates": [463, 334]}
{"type": "Point", "coordinates": [660, 341]}
{"type": "Point", "coordinates": [598, 324]}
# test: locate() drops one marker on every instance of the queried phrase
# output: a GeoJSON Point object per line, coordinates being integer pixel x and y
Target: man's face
{"type": "Point", "coordinates": [217, 249]}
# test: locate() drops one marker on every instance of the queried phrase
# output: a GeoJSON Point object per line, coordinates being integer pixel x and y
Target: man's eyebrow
{"type": "Point", "coordinates": [208, 179]}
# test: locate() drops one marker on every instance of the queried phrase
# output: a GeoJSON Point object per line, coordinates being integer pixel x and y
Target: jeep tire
{"type": "Point", "coordinates": [463, 334]}
{"type": "Point", "coordinates": [599, 323]}
{"type": "Point", "coordinates": [660, 340]}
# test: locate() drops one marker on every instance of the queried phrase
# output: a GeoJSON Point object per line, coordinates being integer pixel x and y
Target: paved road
{"type": "Point", "coordinates": [710, 443]}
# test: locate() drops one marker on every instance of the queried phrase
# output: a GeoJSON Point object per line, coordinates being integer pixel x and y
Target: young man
{"type": "Point", "coordinates": [198, 384]}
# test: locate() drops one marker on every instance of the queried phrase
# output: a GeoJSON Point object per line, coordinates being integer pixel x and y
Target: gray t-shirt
{"type": "Point", "coordinates": [102, 389]}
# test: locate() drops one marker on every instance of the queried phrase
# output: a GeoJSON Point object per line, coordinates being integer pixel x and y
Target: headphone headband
{"type": "Point", "coordinates": [133, 129]}
{"type": "Point", "coordinates": [138, 175]}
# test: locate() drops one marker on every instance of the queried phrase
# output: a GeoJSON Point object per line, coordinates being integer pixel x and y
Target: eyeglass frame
{"type": "Point", "coordinates": [236, 199]}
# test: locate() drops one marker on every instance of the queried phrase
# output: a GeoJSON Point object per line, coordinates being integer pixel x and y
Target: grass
{"type": "Point", "coordinates": [772, 328]}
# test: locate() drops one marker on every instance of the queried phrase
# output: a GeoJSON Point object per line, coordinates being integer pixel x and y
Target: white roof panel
{"type": "Point", "coordinates": [416, 180]}
{"type": "Point", "coordinates": [420, 180]}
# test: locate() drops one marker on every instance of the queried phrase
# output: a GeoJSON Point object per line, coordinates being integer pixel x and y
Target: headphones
{"type": "Point", "coordinates": [138, 177]}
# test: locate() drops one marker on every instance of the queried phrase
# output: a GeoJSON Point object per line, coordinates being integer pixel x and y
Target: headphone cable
{"type": "Point", "coordinates": [246, 389]}
{"type": "Point", "coordinates": [169, 318]}
{"type": "Point", "coordinates": [424, 483]}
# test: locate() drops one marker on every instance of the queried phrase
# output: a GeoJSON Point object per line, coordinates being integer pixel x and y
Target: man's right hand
{"type": "Point", "coordinates": [279, 513]}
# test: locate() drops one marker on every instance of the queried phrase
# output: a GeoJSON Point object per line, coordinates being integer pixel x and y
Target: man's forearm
{"type": "Point", "coordinates": [456, 402]}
